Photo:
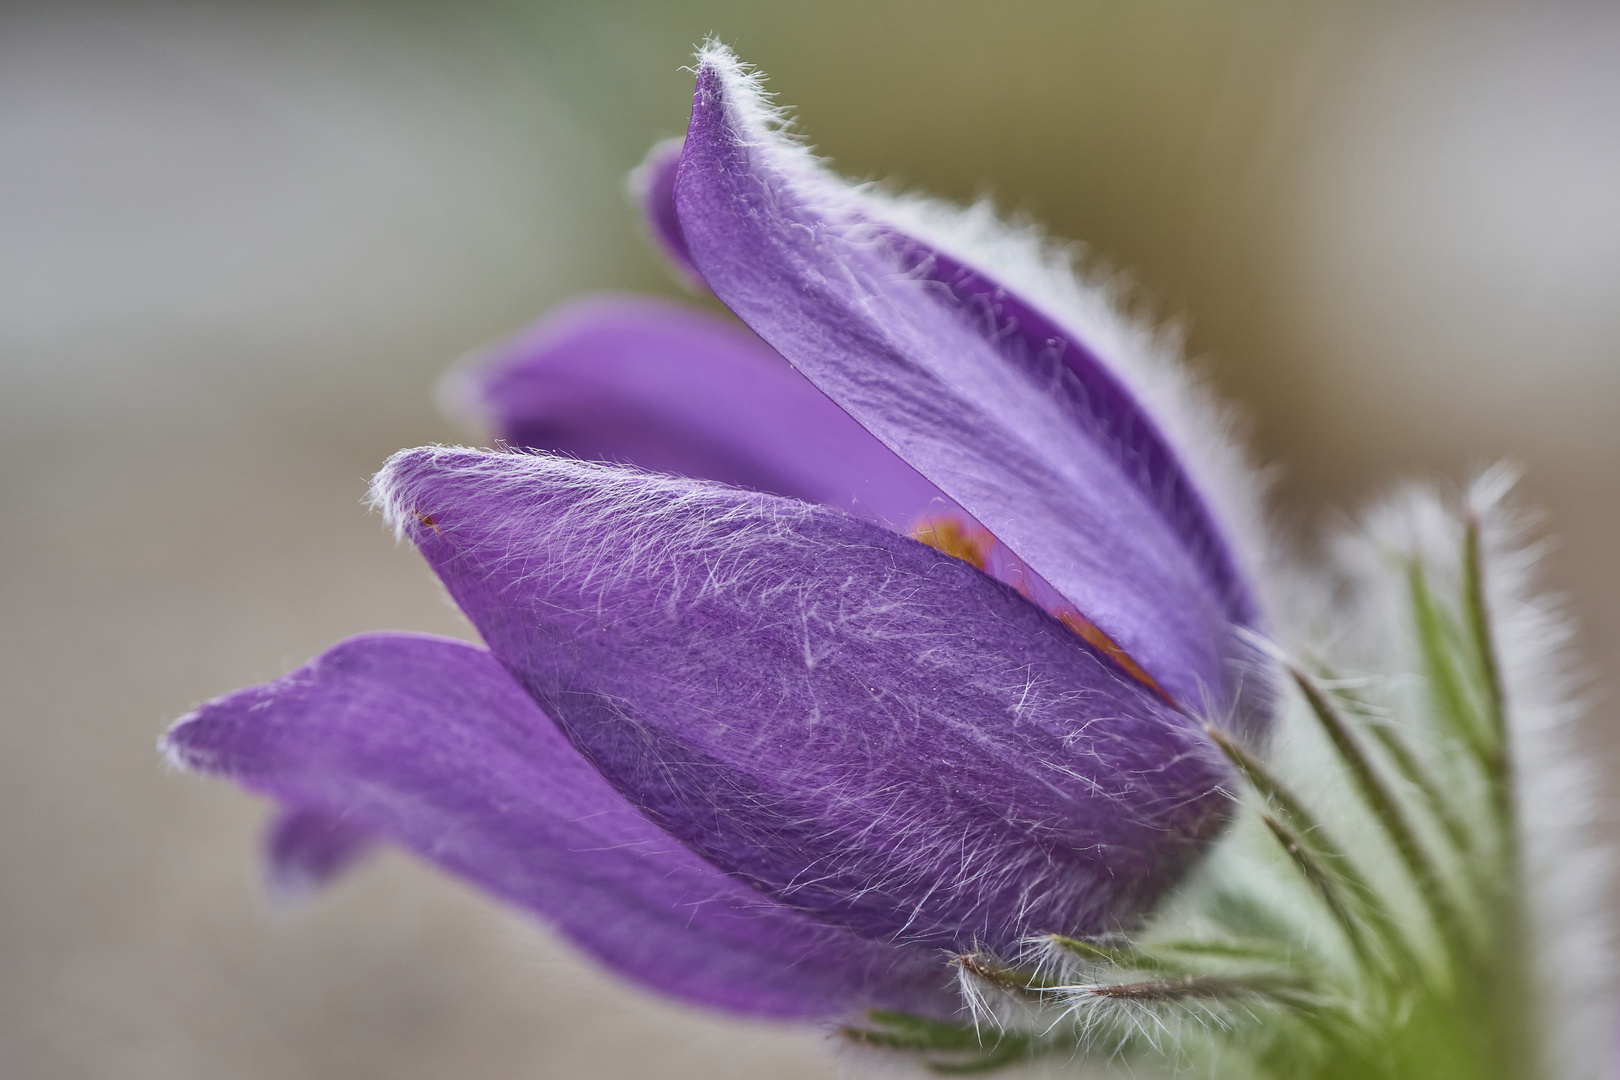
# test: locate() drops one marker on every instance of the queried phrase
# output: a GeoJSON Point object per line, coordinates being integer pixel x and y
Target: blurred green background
{"type": "Point", "coordinates": [240, 242]}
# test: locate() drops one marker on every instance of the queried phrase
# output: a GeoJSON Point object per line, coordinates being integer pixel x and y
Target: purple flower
{"type": "Point", "coordinates": [734, 729]}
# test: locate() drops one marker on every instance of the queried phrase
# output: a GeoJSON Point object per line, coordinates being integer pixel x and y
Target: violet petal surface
{"type": "Point", "coordinates": [652, 185]}
{"type": "Point", "coordinates": [671, 389]}
{"type": "Point", "coordinates": [306, 849]}
{"type": "Point", "coordinates": [1035, 342]}
{"type": "Point", "coordinates": [431, 743]}
{"type": "Point", "coordinates": [859, 725]}
{"type": "Point", "coordinates": [793, 253]}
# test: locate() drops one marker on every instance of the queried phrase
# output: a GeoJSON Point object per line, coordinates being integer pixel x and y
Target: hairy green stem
{"type": "Point", "coordinates": [1434, 799]}
{"type": "Point", "coordinates": [1118, 956]}
{"type": "Point", "coordinates": [1329, 886]}
{"type": "Point", "coordinates": [1260, 778]}
{"type": "Point", "coordinates": [1310, 838]}
{"type": "Point", "coordinates": [1381, 801]}
{"type": "Point", "coordinates": [1435, 630]}
{"type": "Point", "coordinates": [1499, 763]}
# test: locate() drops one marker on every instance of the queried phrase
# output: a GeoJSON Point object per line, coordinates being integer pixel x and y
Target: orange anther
{"type": "Point", "coordinates": [947, 535]}
{"type": "Point", "coordinates": [1088, 632]}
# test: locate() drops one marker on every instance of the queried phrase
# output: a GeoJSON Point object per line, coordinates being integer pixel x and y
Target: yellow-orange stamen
{"type": "Point", "coordinates": [947, 535]}
{"type": "Point", "coordinates": [973, 545]}
{"type": "Point", "coordinates": [1088, 632]}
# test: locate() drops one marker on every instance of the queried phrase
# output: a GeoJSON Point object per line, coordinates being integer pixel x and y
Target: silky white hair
{"type": "Point", "coordinates": [1147, 359]}
{"type": "Point", "coordinates": [1565, 867]}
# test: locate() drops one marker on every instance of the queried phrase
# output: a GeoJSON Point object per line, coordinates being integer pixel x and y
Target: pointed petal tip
{"type": "Point", "coordinates": [398, 485]}
{"type": "Point", "coordinates": [430, 743]}
{"type": "Point", "coordinates": [386, 496]}
{"type": "Point", "coordinates": [1078, 494]}
{"type": "Point", "coordinates": [716, 57]}
{"type": "Point", "coordinates": [181, 746]}
{"type": "Point", "coordinates": [730, 98]}
{"type": "Point", "coordinates": [174, 758]}
{"type": "Point", "coordinates": [732, 81]}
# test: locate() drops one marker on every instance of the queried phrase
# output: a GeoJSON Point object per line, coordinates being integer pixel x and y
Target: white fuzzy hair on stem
{"type": "Point", "coordinates": [1564, 867]}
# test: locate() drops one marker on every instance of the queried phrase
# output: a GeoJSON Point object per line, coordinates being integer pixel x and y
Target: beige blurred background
{"type": "Point", "coordinates": [238, 244]}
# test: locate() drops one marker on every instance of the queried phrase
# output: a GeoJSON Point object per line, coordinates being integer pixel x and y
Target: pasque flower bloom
{"type": "Point", "coordinates": [795, 679]}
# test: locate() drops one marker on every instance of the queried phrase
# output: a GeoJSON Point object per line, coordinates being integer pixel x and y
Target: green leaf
{"type": "Point", "coordinates": [1443, 909]}
{"type": "Point", "coordinates": [906, 1031]}
{"type": "Point", "coordinates": [1126, 956]}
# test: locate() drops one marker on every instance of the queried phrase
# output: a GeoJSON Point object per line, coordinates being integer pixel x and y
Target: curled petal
{"type": "Point", "coordinates": [431, 743]}
{"type": "Point", "coordinates": [1043, 458]}
{"type": "Point", "coordinates": [861, 726]}
{"type": "Point", "coordinates": [652, 185]}
{"type": "Point", "coordinates": [666, 388]}
{"type": "Point", "coordinates": [306, 849]}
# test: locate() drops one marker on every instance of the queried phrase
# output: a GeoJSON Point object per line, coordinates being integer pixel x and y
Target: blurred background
{"type": "Point", "coordinates": [238, 244]}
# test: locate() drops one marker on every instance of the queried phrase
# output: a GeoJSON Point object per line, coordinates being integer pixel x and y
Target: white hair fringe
{"type": "Point", "coordinates": [1565, 866]}
{"type": "Point", "coordinates": [1147, 359]}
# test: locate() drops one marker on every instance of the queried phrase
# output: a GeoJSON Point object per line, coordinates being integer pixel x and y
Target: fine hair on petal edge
{"type": "Point", "coordinates": [601, 546]}
{"type": "Point", "coordinates": [1205, 435]}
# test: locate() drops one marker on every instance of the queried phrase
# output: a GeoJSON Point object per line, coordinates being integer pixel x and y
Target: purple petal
{"type": "Point", "coordinates": [1101, 405]}
{"type": "Point", "coordinates": [670, 389]}
{"type": "Point", "coordinates": [1011, 433]}
{"type": "Point", "coordinates": [1036, 342]}
{"type": "Point", "coordinates": [431, 743]}
{"type": "Point", "coordinates": [652, 185]}
{"type": "Point", "coordinates": [862, 726]}
{"type": "Point", "coordinates": [306, 849]}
